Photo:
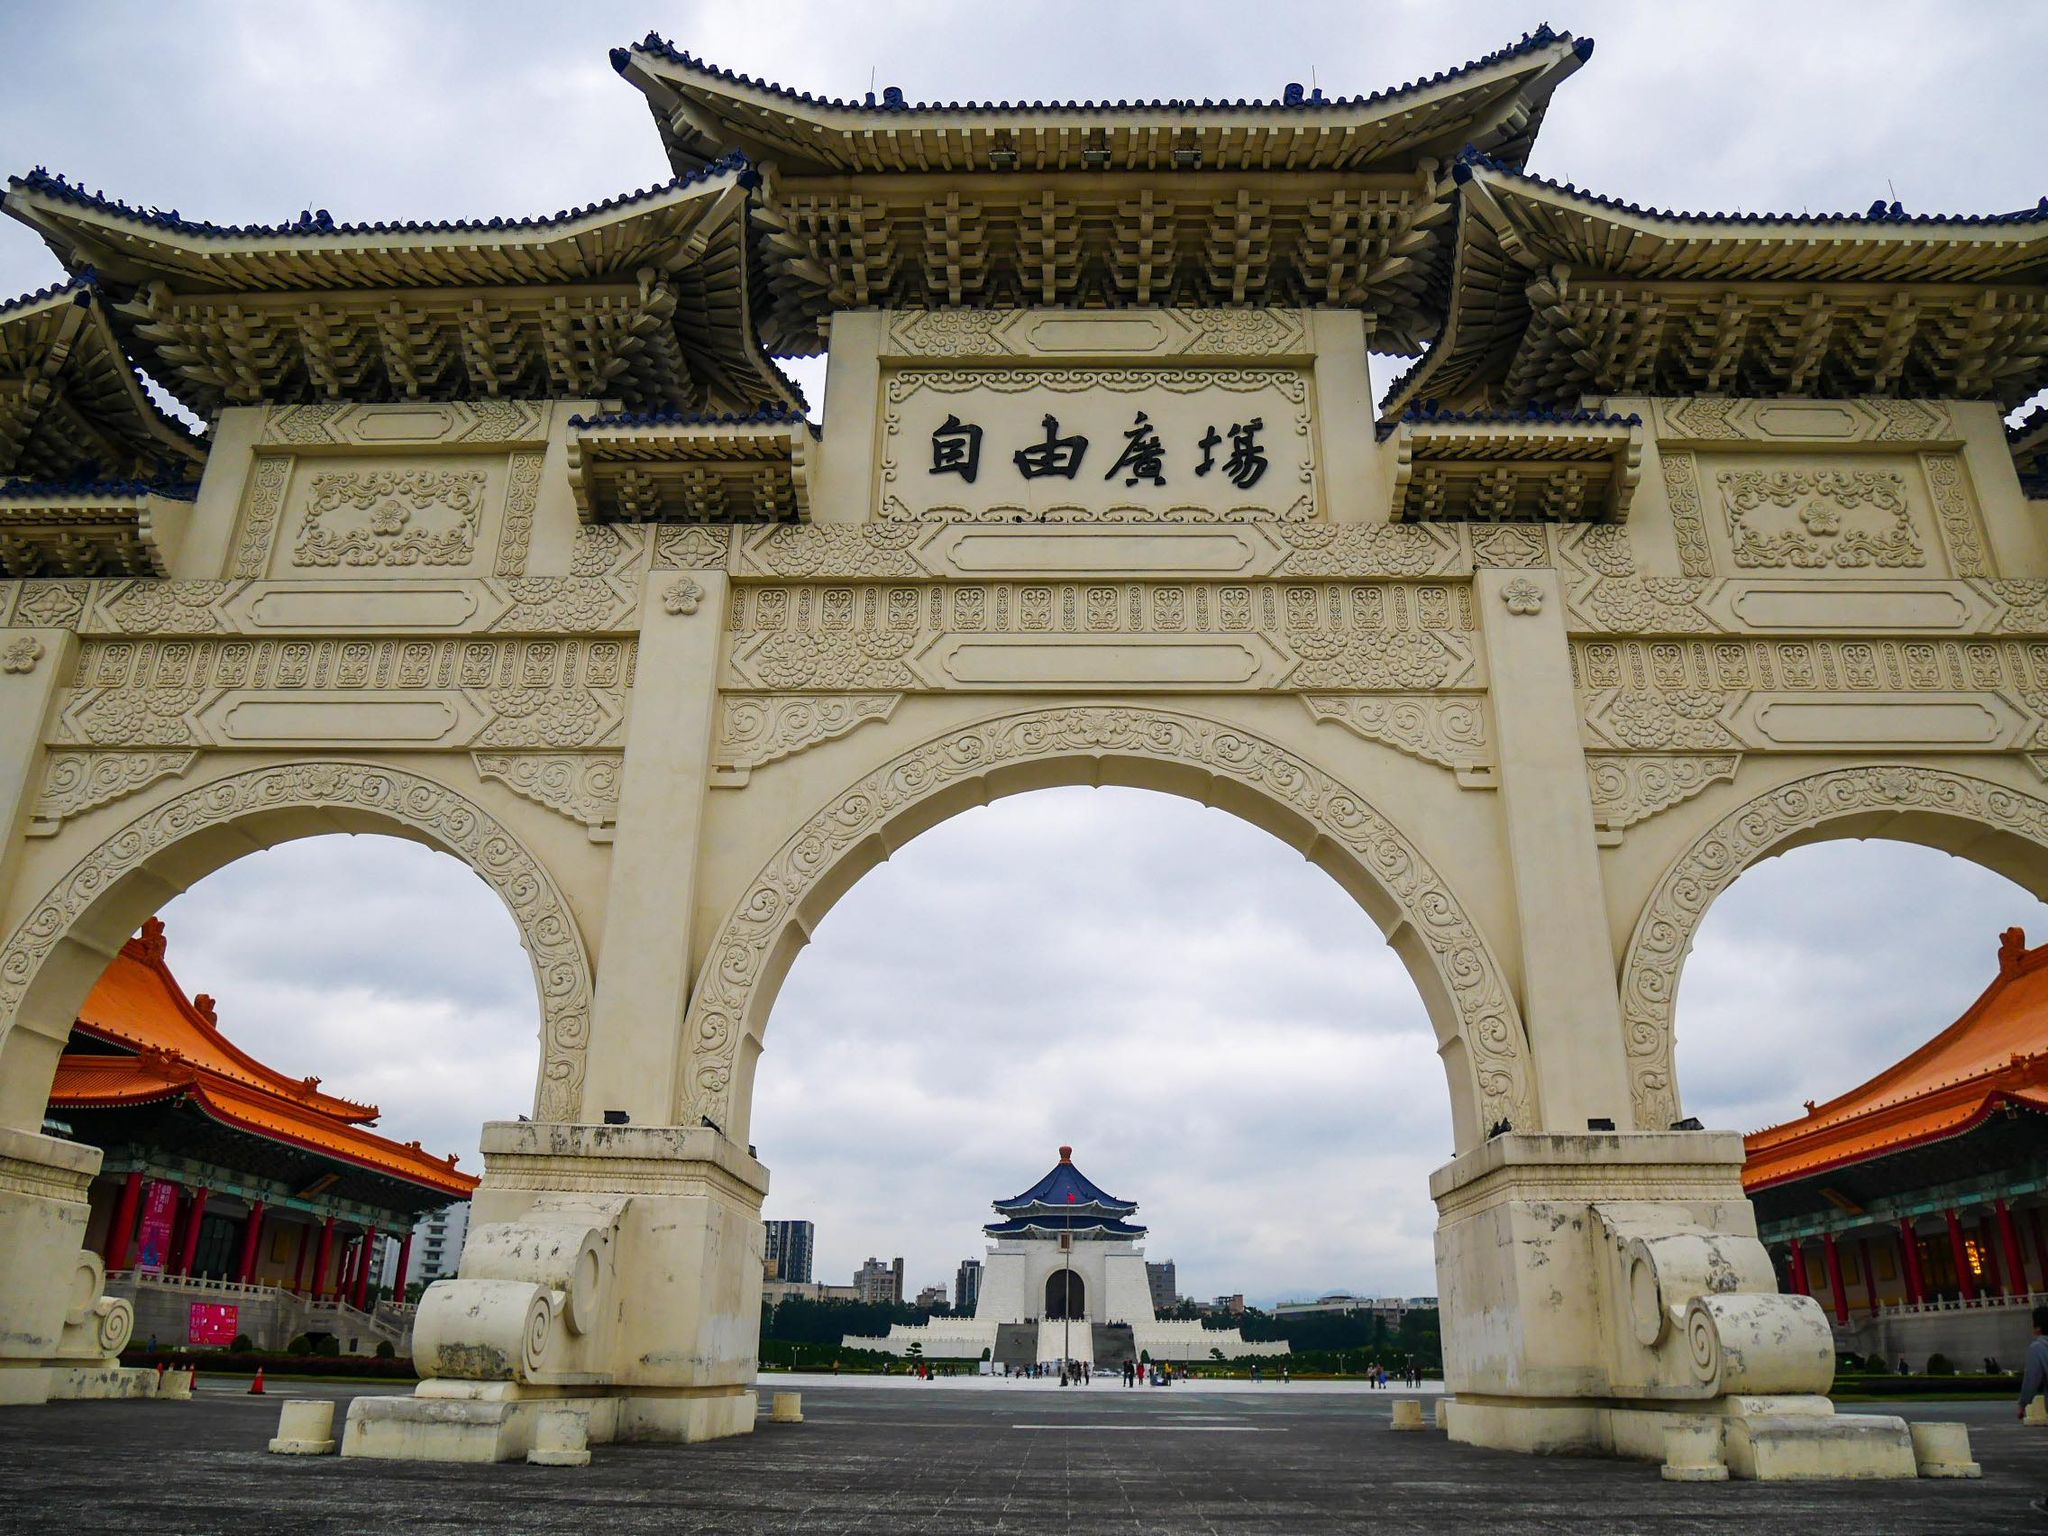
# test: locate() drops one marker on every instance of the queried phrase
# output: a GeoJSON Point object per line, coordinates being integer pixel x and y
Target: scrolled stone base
{"type": "Point", "coordinates": [501, 1421]}
{"type": "Point", "coordinates": [74, 1383]}
{"type": "Point", "coordinates": [1762, 1439]}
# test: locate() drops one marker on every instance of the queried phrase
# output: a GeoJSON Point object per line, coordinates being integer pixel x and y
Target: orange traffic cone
{"type": "Point", "coordinates": [256, 1386]}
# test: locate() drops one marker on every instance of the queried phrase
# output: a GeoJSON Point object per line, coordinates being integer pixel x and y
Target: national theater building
{"type": "Point", "coordinates": [233, 1199]}
{"type": "Point", "coordinates": [1914, 1207]}
{"type": "Point", "coordinates": [1064, 1280]}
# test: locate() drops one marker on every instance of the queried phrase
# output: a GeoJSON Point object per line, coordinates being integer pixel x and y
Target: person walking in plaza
{"type": "Point", "coordinates": [2034, 1379]}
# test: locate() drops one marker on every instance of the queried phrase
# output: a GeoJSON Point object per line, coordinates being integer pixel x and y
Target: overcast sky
{"type": "Point", "coordinates": [1221, 1035]}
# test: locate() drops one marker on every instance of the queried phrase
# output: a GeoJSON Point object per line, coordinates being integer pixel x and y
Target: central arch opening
{"type": "Point", "coordinates": [1066, 1295]}
{"type": "Point", "coordinates": [1213, 1023]}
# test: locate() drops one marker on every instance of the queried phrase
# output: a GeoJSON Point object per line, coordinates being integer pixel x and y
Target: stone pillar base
{"type": "Point", "coordinates": [498, 1421]}
{"type": "Point", "coordinates": [1761, 1439]}
{"type": "Point", "coordinates": [612, 1272]}
{"type": "Point", "coordinates": [74, 1383]}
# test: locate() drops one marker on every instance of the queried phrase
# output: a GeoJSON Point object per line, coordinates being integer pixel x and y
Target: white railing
{"type": "Point", "coordinates": [194, 1283]}
{"type": "Point", "coordinates": [1860, 1314]}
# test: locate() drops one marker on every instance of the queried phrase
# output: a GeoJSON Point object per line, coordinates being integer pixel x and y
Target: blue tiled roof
{"type": "Point", "coordinates": [1428, 413]}
{"type": "Point", "coordinates": [84, 285]}
{"type": "Point", "coordinates": [30, 490]}
{"type": "Point", "coordinates": [773, 414]}
{"type": "Point", "coordinates": [1065, 1185]}
{"type": "Point", "coordinates": [1879, 212]}
{"type": "Point", "coordinates": [1295, 99]}
{"type": "Point", "coordinates": [320, 222]}
{"type": "Point", "coordinates": [1025, 1226]}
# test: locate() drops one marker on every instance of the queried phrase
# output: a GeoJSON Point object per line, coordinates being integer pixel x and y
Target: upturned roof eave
{"type": "Point", "coordinates": [708, 98]}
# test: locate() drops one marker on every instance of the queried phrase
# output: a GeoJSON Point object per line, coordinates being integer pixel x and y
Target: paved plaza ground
{"type": "Point", "coordinates": [1001, 1457]}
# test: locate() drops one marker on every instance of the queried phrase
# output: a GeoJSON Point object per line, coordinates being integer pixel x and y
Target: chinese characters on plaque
{"type": "Point", "coordinates": [1143, 457]}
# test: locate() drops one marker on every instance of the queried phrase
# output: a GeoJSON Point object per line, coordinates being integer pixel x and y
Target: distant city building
{"type": "Point", "coordinates": [1392, 1308]}
{"type": "Point", "coordinates": [1164, 1284]}
{"type": "Point", "coordinates": [439, 1241]}
{"type": "Point", "coordinates": [934, 1297]}
{"type": "Point", "coordinates": [776, 1291]}
{"type": "Point", "coordinates": [875, 1281]}
{"type": "Point", "coordinates": [967, 1287]}
{"type": "Point", "coordinates": [1064, 1278]}
{"type": "Point", "coordinates": [787, 1255]}
{"type": "Point", "coordinates": [1229, 1306]}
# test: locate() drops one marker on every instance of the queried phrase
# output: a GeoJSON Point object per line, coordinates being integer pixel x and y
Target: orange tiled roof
{"type": "Point", "coordinates": [1995, 1054]}
{"type": "Point", "coordinates": [180, 1052]}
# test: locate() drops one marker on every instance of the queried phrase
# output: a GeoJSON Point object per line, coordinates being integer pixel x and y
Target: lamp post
{"type": "Point", "coordinates": [1066, 1300]}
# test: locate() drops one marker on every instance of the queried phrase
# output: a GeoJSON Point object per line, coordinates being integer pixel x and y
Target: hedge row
{"type": "Point", "coordinates": [247, 1362]}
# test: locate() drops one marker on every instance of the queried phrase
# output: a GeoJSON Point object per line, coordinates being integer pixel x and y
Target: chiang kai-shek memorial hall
{"type": "Point", "coordinates": [1064, 1280]}
{"type": "Point", "coordinates": [233, 1199]}
{"type": "Point", "coordinates": [1684, 539]}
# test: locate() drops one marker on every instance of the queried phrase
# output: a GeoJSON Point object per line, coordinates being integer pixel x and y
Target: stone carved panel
{"type": "Point", "coordinates": [1664, 932]}
{"type": "Point", "coordinates": [445, 693]}
{"type": "Point", "coordinates": [583, 786]}
{"type": "Point", "coordinates": [1688, 515]}
{"type": "Point", "coordinates": [695, 549]}
{"type": "Point", "coordinates": [1128, 445]}
{"type": "Point", "coordinates": [1802, 423]}
{"type": "Point", "coordinates": [438, 814]}
{"type": "Point", "coordinates": [756, 728]}
{"type": "Point", "coordinates": [1956, 511]}
{"type": "Point", "coordinates": [1693, 695]}
{"type": "Point", "coordinates": [394, 517]}
{"type": "Point", "coordinates": [963, 335]}
{"type": "Point", "coordinates": [899, 638]}
{"type": "Point", "coordinates": [1813, 520]}
{"type": "Point", "coordinates": [1628, 788]}
{"type": "Point", "coordinates": [264, 500]}
{"type": "Point", "coordinates": [474, 424]}
{"type": "Point", "coordinates": [1449, 731]}
{"type": "Point", "coordinates": [726, 1003]}
{"type": "Point", "coordinates": [522, 496]}
{"type": "Point", "coordinates": [76, 782]}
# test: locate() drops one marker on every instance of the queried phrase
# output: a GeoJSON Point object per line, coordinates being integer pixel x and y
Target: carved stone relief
{"type": "Point", "coordinates": [1628, 788]}
{"type": "Point", "coordinates": [406, 693]}
{"type": "Point", "coordinates": [896, 638]}
{"type": "Point", "coordinates": [394, 517]}
{"type": "Point", "coordinates": [1688, 516]}
{"type": "Point", "coordinates": [1816, 519]}
{"type": "Point", "coordinates": [1664, 932]}
{"type": "Point", "coordinates": [1828, 695]}
{"type": "Point", "coordinates": [443, 817]}
{"type": "Point", "coordinates": [76, 782]}
{"type": "Point", "coordinates": [962, 334]}
{"type": "Point", "coordinates": [726, 1004]}
{"type": "Point", "coordinates": [1447, 730]}
{"type": "Point", "coordinates": [265, 500]}
{"type": "Point", "coordinates": [522, 496]}
{"type": "Point", "coordinates": [760, 728]}
{"type": "Point", "coordinates": [475, 424]}
{"type": "Point", "coordinates": [583, 786]}
{"type": "Point", "coordinates": [1957, 513]}
{"type": "Point", "coordinates": [1804, 423]}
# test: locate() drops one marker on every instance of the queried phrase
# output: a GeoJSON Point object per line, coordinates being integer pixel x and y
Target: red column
{"type": "Point", "coordinates": [245, 1268]}
{"type": "Point", "coordinates": [190, 1246]}
{"type": "Point", "coordinates": [122, 1232]}
{"type": "Point", "coordinates": [366, 1268]}
{"type": "Point", "coordinates": [1799, 1285]}
{"type": "Point", "coordinates": [1909, 1247]}
{"type": "Point", "coordinates": [1869, 1273]}
{"type": "Point", "coordinates": [320, 1262]}
{"type": "Point", "coordinates": [404, 1260]}
{"type": "Point", "coordinates": [2016, 1256]}
{"type": "Point", "coordinates": [305, 1251]}
{"type": "Point", "coordinates": [1835, 1286]}
{"type": "Point", "coordinates": [1965, 1281]}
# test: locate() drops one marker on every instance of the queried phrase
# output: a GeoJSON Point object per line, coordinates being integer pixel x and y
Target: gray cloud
{"type": "Point", "coordinates": [1218, 1031]}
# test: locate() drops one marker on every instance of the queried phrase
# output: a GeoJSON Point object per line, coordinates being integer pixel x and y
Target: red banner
{"type": "Point", "coordinates": [213, 1323]}
{"type": "Point", "coordinates": [159, 1215]}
